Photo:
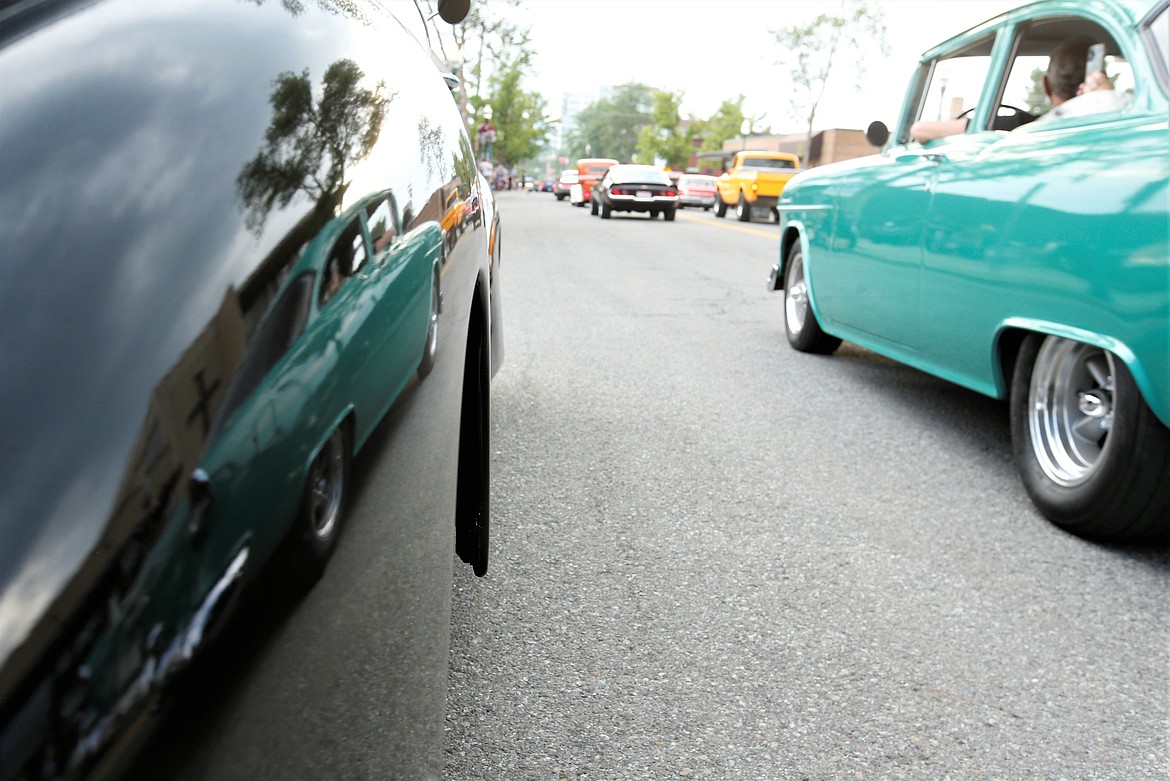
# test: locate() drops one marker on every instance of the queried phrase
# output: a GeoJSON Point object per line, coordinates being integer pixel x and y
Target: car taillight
{"type": "Point", "coordinates": [615, 191]}
{"type": "Point", "coordinates": [671, 193]}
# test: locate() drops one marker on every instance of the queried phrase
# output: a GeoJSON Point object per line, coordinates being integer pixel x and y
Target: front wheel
{"type": "Point", "coordinates": [720, 206]}
{"type": "Point", "coordinates": [318, 523]}
{"type": "Point", "coordinates": [432, 343]}
{"type": "Point", "coordinates": [800, 322]}
{"type": "Point", "coordinates": [1091, 453]}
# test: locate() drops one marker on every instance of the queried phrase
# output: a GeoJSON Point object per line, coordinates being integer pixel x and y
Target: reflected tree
{"type": "Point", "coordinates": [309, 142]}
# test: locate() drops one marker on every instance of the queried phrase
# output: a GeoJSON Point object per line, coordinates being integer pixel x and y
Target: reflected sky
{"type": "Point", "coordinates": [138, 135]}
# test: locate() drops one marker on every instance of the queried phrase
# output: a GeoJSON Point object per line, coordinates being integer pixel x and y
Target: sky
{"type": "Point", "coordinates": [713, 51]}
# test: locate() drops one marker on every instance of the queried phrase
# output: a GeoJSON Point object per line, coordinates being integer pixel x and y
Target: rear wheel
{"type": "Point", "coordinates": [743, 210]}
{"type": "Point", "coordinates": [720, 206]}
{"type": "Point", "coordinates": [593, 207]}
{"type": "Point", "coordinates": [606, 211]}
{"type": "Point", "coordinates": [800, 322]}
{"type": "Point", "coordinates": [1091, 453]}
{"type": "Point", "coordinates": [668, 215]}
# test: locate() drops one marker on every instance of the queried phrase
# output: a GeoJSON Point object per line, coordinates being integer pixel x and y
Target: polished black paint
{"type": "Point", "coordinates": [127, 233]}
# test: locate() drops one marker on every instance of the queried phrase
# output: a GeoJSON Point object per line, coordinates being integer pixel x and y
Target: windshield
{"type": "Point", "coordinates": [768, 163]}
{"type": "Point", "coordinates": [640, 174]}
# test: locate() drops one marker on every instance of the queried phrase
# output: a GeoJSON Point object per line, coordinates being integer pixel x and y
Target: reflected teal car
{"type": "Point", "coordinates": [1026, 257]}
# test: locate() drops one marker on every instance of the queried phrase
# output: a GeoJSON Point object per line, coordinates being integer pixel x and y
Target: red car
{"type": "Point", "coordinates": [696, 190]}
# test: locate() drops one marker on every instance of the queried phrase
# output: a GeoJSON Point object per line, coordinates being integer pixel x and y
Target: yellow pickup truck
{"type": "Point", "coordinates": [754, 181]}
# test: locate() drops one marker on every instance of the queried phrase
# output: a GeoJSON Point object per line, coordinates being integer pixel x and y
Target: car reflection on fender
{"type": "Point", "coordinates": [268, 247]}
{"type": "Point", "coordinates": [1030, 265]}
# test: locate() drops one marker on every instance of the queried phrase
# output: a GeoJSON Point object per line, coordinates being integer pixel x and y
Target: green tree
{"type": "Point", "coordinates": [310, 142]}
{"type": "Point", "coordinates": [610, 127]}
{"type": "Point", "coordinates": [663, 138]}
{"type": "Point", "coordinates": [518, 116]}
{"type": "Point", "coordinates": [721, 125]}
{"type": "Point", "coordinates": [1038, 101]}
{"type": "Point", "coordinates": [487, 42]}
{"type": "Point", "coordinates": [811, 51]}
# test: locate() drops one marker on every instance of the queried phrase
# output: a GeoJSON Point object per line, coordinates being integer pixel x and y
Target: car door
{"type": "Point", "coordinates": [874, 283]}
{"type": "Point", "coordinates": [1044, 224]}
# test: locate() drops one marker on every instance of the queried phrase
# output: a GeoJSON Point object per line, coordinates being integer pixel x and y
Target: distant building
{"type": "Point", "coordinates": [828, 146]}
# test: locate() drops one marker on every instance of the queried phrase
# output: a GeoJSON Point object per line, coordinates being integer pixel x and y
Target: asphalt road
{"type": "Point", "coordinates": [714, 557]}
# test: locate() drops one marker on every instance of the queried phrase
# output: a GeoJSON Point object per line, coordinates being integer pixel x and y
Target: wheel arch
{"type": "Point", "coordinates": [1014, 330]}
{"type": "Point", "coordinates": [472, 511]}
{"type": "Point", "coordinates": [790, 236]}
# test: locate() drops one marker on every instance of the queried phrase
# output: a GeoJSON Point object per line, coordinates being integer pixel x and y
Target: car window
{"type": "Point", "coordinates": [345, 259]}
{"type": "Point", "coordinates": [955, 84]}
{"type": "Point", "coordinates": [768, 163]}
{"type": "Point", "coordinates": [1023, 88]}
{"type": "Point", "coordinates": [282, 324]}
{"type": "Point", "coordinates": [380, 221]}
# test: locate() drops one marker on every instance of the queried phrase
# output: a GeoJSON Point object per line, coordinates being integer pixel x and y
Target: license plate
{"type": "Point", "coordinates": [644, 193]}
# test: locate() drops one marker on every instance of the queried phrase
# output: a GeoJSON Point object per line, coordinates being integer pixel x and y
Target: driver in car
{"type": "Point", "coordinates": [1069, 93]}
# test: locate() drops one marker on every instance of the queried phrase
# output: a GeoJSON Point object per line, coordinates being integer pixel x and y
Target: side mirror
{"type": "Point", "coordinates": [454, 11]}
{"type": "Point", "coordinates": [877, 134]}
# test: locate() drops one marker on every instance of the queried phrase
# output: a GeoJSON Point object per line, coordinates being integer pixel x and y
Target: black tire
{"type": "Point", "coordinates": [472, 506]}
{"type": "Point", "coordinates": [431, 345]}
{"type": "Point", "coordinates": [593, 207]}
{"type": "Point", "coordinates": [668, 215]}
{"type": "Point", "coordinates": [800, 322]}
{"type": "Point", "coordinates": [560, 197]}
{"type": "Point", "coordinates": [743, 210]}
{"type": "Point", "coordinates": [1091, 453]}
{"type": "Point", "coordinates": [652, 213]}
{"type": "Point", "coordinates": [606, 211]}
{"type": "Point", "coordinates": [323, 501]}
{"type": "Point", "coordinates": [720, 206]}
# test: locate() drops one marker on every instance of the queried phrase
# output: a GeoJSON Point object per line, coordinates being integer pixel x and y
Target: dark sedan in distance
{"type": "Point", "coordinates": [635, 188]}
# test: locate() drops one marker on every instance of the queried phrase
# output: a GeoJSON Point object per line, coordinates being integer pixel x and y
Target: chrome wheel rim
{"type": "Point", "coordinates": [326, 482]}
{"type": "Point", "coordinates": [795, 297]}
{"type": "Point", "coordinates": [1071, 403]}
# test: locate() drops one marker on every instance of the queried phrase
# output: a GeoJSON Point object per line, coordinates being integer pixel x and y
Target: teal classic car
{"type": "Point", "coordinates": [1030, 263]}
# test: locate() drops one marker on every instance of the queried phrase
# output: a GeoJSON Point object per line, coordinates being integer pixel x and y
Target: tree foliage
{"type": "Point", "coordinates": [664, 137]}
{"type": "Point", "coordinates": [310, 142]}
{"type": "Point", "coordinates": [609, 127]}
{"type": "Point", "coordinates": [831, 41]}
{"type": "Point", "coordinates": [486, 43]}
{"type": "Point", "coordinates": [721, 125]}
{"type": "Point", "coordinates": [1038, 101]}
{"type": "Point", "coordinates": [518, 116]}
